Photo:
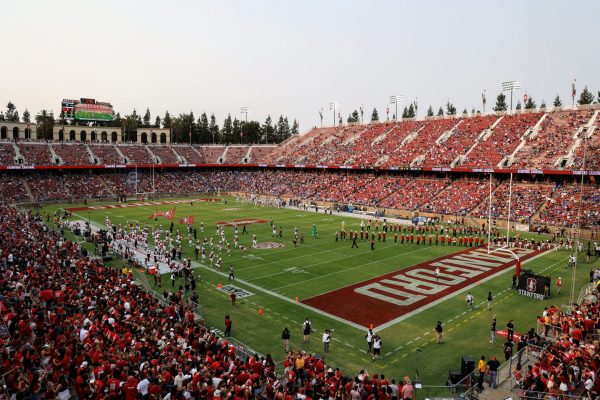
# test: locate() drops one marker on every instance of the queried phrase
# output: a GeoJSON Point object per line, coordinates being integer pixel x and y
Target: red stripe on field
{"type": "Point", "coordinates": [365, 309]}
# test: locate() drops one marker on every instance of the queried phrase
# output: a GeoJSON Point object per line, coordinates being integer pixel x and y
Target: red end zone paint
{"type": "Point", "coordinates": [388, 297]}
{"type": "Point", "coordinates": [245, 221]}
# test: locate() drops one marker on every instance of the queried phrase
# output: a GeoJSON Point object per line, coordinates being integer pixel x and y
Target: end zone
{"type": "Point", "coordinates": [390, 298]}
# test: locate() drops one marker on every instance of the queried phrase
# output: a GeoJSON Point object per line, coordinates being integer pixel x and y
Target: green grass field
{"type": "Point", "coordinates": [277, 276]}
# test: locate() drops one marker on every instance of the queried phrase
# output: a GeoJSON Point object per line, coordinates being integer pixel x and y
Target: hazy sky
{"type": "Point", "coordinates": [292, 58]}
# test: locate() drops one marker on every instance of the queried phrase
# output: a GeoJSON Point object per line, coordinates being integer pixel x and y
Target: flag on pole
{"type": "Point", "coordinates": [169, 214]}
{"type": "Point", "coordinates": [187, 220]}
{"type": "Point", "coordinates": [483, 98]}
{"type": "Point", "coordinates": [573, 90]}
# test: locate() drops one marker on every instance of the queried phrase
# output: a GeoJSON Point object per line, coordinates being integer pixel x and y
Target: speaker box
{"type": "Point", "coordinates": [467, 365]}
{"type": "Point", "coordinates": [454, 377]}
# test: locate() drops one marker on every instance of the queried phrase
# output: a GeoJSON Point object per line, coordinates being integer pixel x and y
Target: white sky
{"type": "Point", "coordinates": [292, 58]}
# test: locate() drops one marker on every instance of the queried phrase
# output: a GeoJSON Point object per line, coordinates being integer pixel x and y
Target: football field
{"type": "Point", "coordinates": [347, 289]}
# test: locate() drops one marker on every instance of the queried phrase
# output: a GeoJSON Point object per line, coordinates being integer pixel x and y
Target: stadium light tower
{"type": "Point", "coordinates": [244, 110]}
{"type": "Point", "coordinates": [511, 86]}
{"type": "Point", "coordinates": [395, 100]}
{"type": "Point", "coordinates": [333, 107]}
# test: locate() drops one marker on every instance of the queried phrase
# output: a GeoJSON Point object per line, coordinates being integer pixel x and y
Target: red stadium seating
{"type": "Point", "coordinates": [555, 136]}
{"type": "Point", "coordinates": [136, 154]}
{"type": "Point", "coordinates": [459, 197]}
{"type": "Point", "coordinates": [424, 139]}
{"type": "Point", "coordinates": [164, 153]}
{"type": "Point", "coordinates": [463, 137]}
{"type": "Point", "coordinates": [236, 154]}
{"type": "Point", "coordinates": [36, 153]}
{"type": "Point", "coordinates": [106, 153]}
{"type": "Point", "coordinates": [214, 154]}
{"type": "Point", "coordinates": [7, 154]}
{"type": "Point", "coordinates": [503, 140]}
{"type": "Point", "coordinates": [72, 153]}
{"type": "Point", "coordinates": [192, 155]}
{"type": "Point", "coordinates": [12, 189]}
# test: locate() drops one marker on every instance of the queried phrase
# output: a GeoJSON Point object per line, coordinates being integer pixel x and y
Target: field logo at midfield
{"type": "Point", "coordinates": [395, 296]}
{"type": "Point", "coordinates": [239, 292]}
{"type": "Point", "coordinates": [269, 245]}
{"type": "Point", "coordinates": [240, 222]}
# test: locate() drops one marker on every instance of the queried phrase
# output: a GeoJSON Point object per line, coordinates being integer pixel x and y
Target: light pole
{"type": "Point", "coordinates": [333, 107]}
{"type": "Point", "coordinates": [244, 110]}
{"type": "Point", "coordinates": [511, 86]}
{"type": "Point", "coordinates": [395, 100]}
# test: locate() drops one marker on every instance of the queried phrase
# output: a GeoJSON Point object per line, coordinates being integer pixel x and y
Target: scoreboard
{"type": "Point", "coordinates": [86, 109]}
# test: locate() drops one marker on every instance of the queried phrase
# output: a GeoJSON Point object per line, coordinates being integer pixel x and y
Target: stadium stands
{"type": "Point", "coordinates": [556, 134]}
{"type": "Point", "coordinates": [462, 138]}
{"type": "Point", "coordinates": [106, 153]}
{"type": "Point", "coordinates": [406, 153]}
{"type": "Point", "coordinates": [72, 153]}
{"type": "Point", "coordinates": [259, 154]}
{"type": "Point", "coordinates": [136, 154]}
{"type": "Point", "coordinates": [192, 155]}
{"type": "Point", "coordinates": [12, 189]}
{"type": "Point", "coordinates": [590, 148]}
{"type": "Point", "coordinates": [562, 209]}
{"type": "Point", "coordinates": [214, 154]}
{"type": "Point", "coordinates": [526, 199]}
{"type": "Point", "coordinates": [502, 140]}
{"type": "Point", "coordinates": [414, 193]}
{"type": "Point", "coordinates": [36, 153]}
{"type": "Point", "coordinates": [7, 153]}
{"type": "Point", "coordinates": [236, 154]}
{"type": "Point", "coordinates": [165, 154]}
{"type": "Point", "coordinates": [458, 198]}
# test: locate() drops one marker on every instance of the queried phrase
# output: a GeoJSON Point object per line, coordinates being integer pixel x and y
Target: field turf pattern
{"type": "Point", "coordinates": [328, 265]}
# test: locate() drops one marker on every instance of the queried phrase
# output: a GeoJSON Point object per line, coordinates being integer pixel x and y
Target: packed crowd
{"type": "Point", "coordinates": [7, 153]}
{"type": "Point", "coordinates": [36, 154]}
{"type": "Point", "coordinates": [557, 204]}
{"type": "Point", "coordinates": [77, 328]}
{"type": "Point", "coordinates": [563, 208]}
{"type": "Point", "coordinates": [459, 197]}
{"type": "Point", "coordinates": [569, 363]}
{"type": "Point", "coordinates": [72, 154]}
{"type": "Point", "coordinates": [526, 200]}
